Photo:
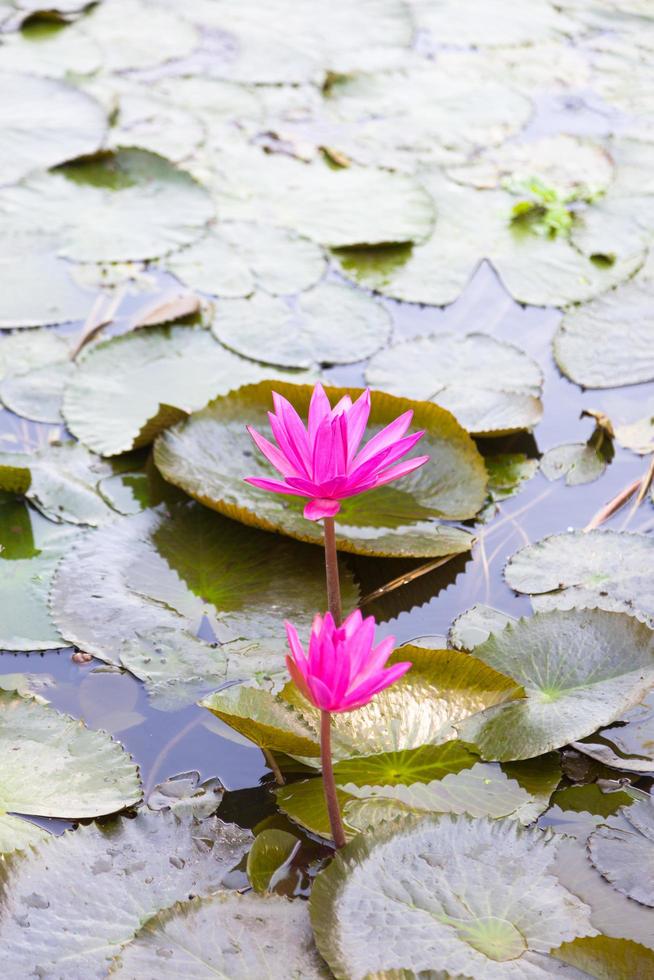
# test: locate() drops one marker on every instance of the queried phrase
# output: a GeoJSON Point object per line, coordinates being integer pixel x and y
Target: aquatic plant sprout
{"type": "Point", "coordinates": [342, 671]}
{"type": "Point", "coordinates": [323, 461]}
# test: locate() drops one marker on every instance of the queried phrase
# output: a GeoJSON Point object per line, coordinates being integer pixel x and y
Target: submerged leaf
{"type": "Point", "coordinates": [204, 457]}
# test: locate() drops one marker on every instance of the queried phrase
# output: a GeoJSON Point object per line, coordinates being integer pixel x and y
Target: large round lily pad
{"type": "Point", "coordinates": [124, 872]}
{"type": "Point", "coordinates": [56, 767]}
{"type": "Point", "coordinates": [238, 257]}
{"type": "Point", "coordinates": [472, 225]}
{"type": "Point", "coordinates": [609, 342]}
{"type": "Point", "coordinates": [580, 669]}
{"type": "Point", "coordinates": [128, 389]}
{"type": "Point", "coordinates": [165, 574]}
{"type": "Point", "coordinates": [468, 897]}
{"type": "Point", "coordinates": [331, 324]}
{"type": "Point", "coordinates": [44, 122]}
{"type": "Point", "coordinates": [227, 935]}
{"type": "Point", "coordinates": [608, 569]}
{"type": "Point", "coordinates": [209, 455]}
{"type": "Point", "coordinates": [119, 206]}
{"type": "Point", "coordinates": [491, 387]}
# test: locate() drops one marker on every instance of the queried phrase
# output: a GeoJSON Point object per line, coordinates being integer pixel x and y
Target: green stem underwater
{"type": "Point", "coordinates": [331, 568]}
{"type": "Point", "coordinates": [329, 786]}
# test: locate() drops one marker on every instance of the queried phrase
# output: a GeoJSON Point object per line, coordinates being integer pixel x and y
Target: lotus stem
{"type": "Point", "coordinates": [331, 568]}
{"type": "Point", "coordinates": [329, 785]}
{"type": "Point", "coordinates": [271, 762]}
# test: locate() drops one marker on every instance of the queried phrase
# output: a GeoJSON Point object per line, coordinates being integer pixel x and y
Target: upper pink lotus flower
{"type": "Point", "coordinates": [323, 463]}
{"type": "Point", "coordinates": [343, 670]}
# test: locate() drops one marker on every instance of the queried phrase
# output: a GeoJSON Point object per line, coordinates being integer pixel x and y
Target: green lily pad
{"type": "Point", "coordinates": [52, 49]}
{"type": "Point", "coordinates": [271, 849]}
{"type": "Point", "coordinates": [129, 388]}
{"type": "Point", "coordinates": [227, 935]}
{"type": "Point", "coordinates": [156, 576]}
{"type": "Point", "coordinates": [492, 912]}
{"type": "Point", "coordinates": [420, 765]}
{"type": "Point", "coordinates": [205, 458]}
{"type": "Point", "coordinates": [622, 850]}
{"type": "Point", "coordinates": [32, 549]}
{"type": "Point", "coordinates": [61, 481]}
{"type": "Point", "coordinates": [239, 257]}
{"type": "Point", "coordinates": [580, 669]}
{"type": "Point", "coordinates": [481, 24]}
{"type": "Point", "coordinates": [346, 207]}
{"type": "Point", "coordinates": [115, 207]}
{"type": "Point", "coordinates": [579, 462]}
{"type": "Point", "coordinates": [600, 568]}
{"type": "Point", "coordinates": [133, 36]}
{"type": "Point", "coordinates": [43, 123]}
{"type": "Point", "coordinates": [612, 913]}
{"type": "Point", "coordinates": [125, 872]}
{"type": "Point", "coordinates": [491, 387]}
{"type": "Point", "coordinates": [56, 767]}
{"type": "Point", "coordinates": [475, 625]}
{"type": "Point", "coordinates": [472, 225]}
{"type": "Point", "coordinates": [315, 38]}
{"type": "Point", "coordinates": [331, 324]}
{"type": "Point", "coordinates": [608, 343]}
{"type": "Point", "coordinates": [607, 959]}
{"type": "Point", "coordinates": [304, 803]}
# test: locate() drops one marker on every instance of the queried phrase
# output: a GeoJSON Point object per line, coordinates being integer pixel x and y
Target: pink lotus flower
{"type": "Point", "coordinates": [324, 462]}
{"type": "Point", "coordinates": [343, 670]}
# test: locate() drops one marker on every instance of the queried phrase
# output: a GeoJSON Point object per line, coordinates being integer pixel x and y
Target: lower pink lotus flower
{"type": "Point", "coordinates": [343, 669]}
{"type": "Point", "coordinates": [323, 461]}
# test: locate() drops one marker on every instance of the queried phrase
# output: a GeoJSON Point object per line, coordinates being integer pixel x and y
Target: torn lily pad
{"type": "Point", "coordinates": [580, 669]}
{"type": "Point", "coordinates": [175, 858]}
{"type": "Point", "coordinates": [491, 387]}
{"type": "Point", "coordinates": [56, 767]}
{"type": "Point", "coordinates": [330, 324]}
{"type": "Point", "coordinates": [608, 569]}
{"type": "Point", "coordinates": [185, 795]}
{"type": "Point", "coordinates": [472, 225]}
{"type": "Point", "coordinates": [31, 550]}
{"type": "Point", "coordinates": [229, 935]}
{"type": "Point", "coordinates": [61, 481]}
{"type": "Point", "coordinates": [115, 207]}
{"type": "Point", "coordinates": [622, 850]}
{"type": "Point", "coordinates": [44, 122]}
{"type": "Point", "coordinates": [156, 576]}
{"type": "Point", "coordinates": [204, 457]}
{"type": "Point", "coordinates": [127, 389]}
{"type": "Point", "coordinates": [609, 342]}
{"type": "Point", "coordinates": [493, 912]}
{"type": "Point", "coordinates": [238, 257]}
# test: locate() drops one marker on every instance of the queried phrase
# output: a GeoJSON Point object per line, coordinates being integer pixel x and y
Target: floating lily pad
{"type": "Point", "coordinates": [627, 745]}
{"type": "Point", "coordinates": [609, 342]}
{"type": "Point", "coordinates": [228, 935]}
{"type": "Point", "coordinates": [482, 905]}
{"type": "Point", "coordinates": [346, 207]}
{"type": "Point", "coordinates": [637, 436]}
{"type": "Point", "coordinates": [580, 669]}
{"type": "Point", "coordinates": [315, 38]}
{"type": "Point", "coordinates": [44, 122]}
{"type": "Point", "coordinates": [58, 299]}
{"type": "Point", "coordinates": [56, 767]}
{"type": "Point", "coordinates": [156, 576]}
{"type": "Point", "coordinates": [475, 625]}
{"type": "Point", "coordinates": [125, 872]}
{"type": "Point", "coordinates": [205, 458]}
{"type": "Point", "coordinates": [622, 850]}
{"type": "Point", "coordinates": [331, 324]}
{"type": "Point", "coordinates": [419, 765]}
{"type": "Point", "coordinates": [139, 119]}
{"type": "Point", "coordinates": [134, 36]}
{"type": "Point", "coordinates": [579, 462]}
{"type": "Point", "coordinates": [480, 24]}
{"type": "Point", "coordinates": [21, 352]}
{"type": "Point", "coordinates": [237, 258]}
{"type": "Point", "coordinates": [185, 795]}
{"type": "Point", "coordinates": [129, 388]}
{"type": "Point", "coordinates": [116, 207]}
{"type": "Point", "coordinates": [608, 569]}
{"type": "Point", "coordinates": [271, 849]}
{"type": "Point", "coordinates": [420, 710]}
{"type": "Point", "coordinates": [32, 548]}
{"type": "Point", "coordinates": [37, 394]}
{"type": "Point", "coordinates": [491, 387]}
{"type": "Point", "coordinates": [61, 481]}
{"type": "Point", "coordinates": [50, 49]}
{"type": "Point", "coordinates": [600, 956]}
{"type": "Point", "coordinates": [17, 834]}
{"type": "Point", "coordinates": [304, 803]}
{"type": "Point", "coordinates": [472, 225]}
